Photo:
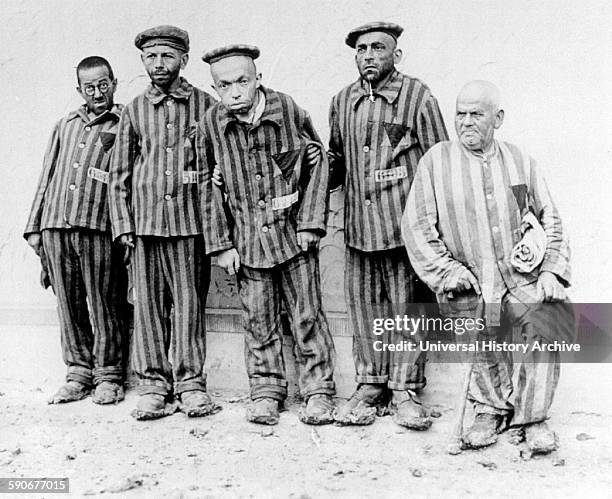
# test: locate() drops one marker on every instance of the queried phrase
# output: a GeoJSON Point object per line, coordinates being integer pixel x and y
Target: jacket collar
{"type": "Point", "coordinates": [182, 92]}
{"type": "Point", "coordinates": [81, 112]}
{"type": "Point", "coordinates": [273, 112]}
{"type": "Point", "coordinates": [388, 89]}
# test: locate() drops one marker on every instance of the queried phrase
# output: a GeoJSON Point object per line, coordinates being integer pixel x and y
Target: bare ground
{"type": "Point", "coordinates": [103, 451]}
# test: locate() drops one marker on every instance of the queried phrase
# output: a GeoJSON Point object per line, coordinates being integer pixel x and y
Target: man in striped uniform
{"type": "Point", "coordinates": [461, 222]}
{"type": "Point", "coordinates": [155, 211]}
{"type": "Point", "coordinates": [266, 228]}
{"type": "Point", "coordinates": [380, 127]}
{"type": "Point", "coordinates": [69, 228]}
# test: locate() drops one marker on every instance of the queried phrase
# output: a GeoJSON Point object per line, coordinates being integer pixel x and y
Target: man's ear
{"type": "Point", "coordinates": [397, 56]}
{"type": "Point", "coordinates": [499, 118]}
{"type": "Point", "coordinates": [80, 92]}
{"type": "Point", "coordinates": [184, 60]}
{"type": "Point", "coordinates": [258, 80]}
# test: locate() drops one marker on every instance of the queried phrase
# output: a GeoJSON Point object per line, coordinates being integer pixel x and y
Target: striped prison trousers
{"type": "Point", "coordinates": [380, 285]}
{"type": "Point", "coordinates": [519, 385]}
{"type": "Point", "coordinates": [294, 284]}
{"type": "Point", "coordinates": [171, 277]}
{"type": "Point", "coordinates": [89, 280]}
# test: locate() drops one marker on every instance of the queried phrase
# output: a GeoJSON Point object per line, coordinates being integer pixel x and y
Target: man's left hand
{"type": "Point", "coordinates": [308, 240]}
{"type": "Point", "coordinates": [313, 155]}
{"type": "Point", "coordinates": [549, 288]}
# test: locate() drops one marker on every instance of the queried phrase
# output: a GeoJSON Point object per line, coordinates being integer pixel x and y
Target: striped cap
{"type": "Point", "coordinates": [219, 53]}
{"type": "Point", "coordinates": [395, 30]}
{"type": "Point", "coordinates": [163, 35]}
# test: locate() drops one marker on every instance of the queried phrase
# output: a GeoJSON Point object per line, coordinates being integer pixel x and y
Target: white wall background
{"type": "Point", "coordinates": [551, 60]}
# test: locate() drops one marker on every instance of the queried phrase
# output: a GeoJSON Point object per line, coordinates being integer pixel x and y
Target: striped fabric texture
{"type": "Point", "coordinates": [86, 272]}
{"type": "Point", "coordinates": [464, 211]}
{"type": "Point", "coordinates": [374, 150]}
{"type": "Point", "coordinates": [72, 187]}
{"type": "Point", "coordinates": [171, 277]}
{"type": "Point", "coordinates": [522, 386]}
{"type": "Point", "coordinates": [271, 191]}
{"type": "Point", "coordinates": [154, 182]}
{"type": "Point", "coordinates": [294, 285]}
{"type": "Point", "coordinates": [380, 285]}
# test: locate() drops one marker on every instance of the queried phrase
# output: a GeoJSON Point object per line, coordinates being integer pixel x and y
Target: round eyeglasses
{"type": "Point", "coordinates": [91, 89]}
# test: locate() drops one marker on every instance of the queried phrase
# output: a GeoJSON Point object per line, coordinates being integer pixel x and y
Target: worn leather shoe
{"type": "Point", "coordinates": [483, 431]}
{"type": "Point", "coordinates": [318, 410]}
{"type": "Point", "coordinates": [153, 406]}
{"type": "Point", "coordinates": [408, 411]}
{"type": "Point", "coordinates": [540, 438]}
{"type": "Point", "coordinates": [108, 392]}
{"type": "Point", "coordinates": [71, 391]}
{"type": "Point", "coordinates": [368, 401]}
{"type": "Point", "coordinates": [264, 410]}
{"type": "Point", "coordinates": [198, 403]}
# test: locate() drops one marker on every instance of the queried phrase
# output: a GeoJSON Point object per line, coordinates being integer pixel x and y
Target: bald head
{"type": "Point", "coordinates": [482, 91]}
{"type": "Point", "coordinates": [478, 115]}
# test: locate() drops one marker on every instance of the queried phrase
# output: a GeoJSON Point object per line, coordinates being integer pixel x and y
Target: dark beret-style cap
{"type": "Point", "coordinates": [395, 30]}
{"type": "Point", "coordinates": [163, 35]}
{"type": "Point", "coordinates": [219, 53]}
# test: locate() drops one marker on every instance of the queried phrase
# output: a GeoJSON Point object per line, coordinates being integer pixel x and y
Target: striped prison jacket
{"type": "Point", "coordinates": [272, 193]}
{"type": "Point", "coordinates": [154, 182]}
{"type": "Point", "coordinates": [374, 150]}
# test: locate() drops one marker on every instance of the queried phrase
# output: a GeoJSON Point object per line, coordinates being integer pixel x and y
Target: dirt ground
{"type": "Point", "coordinates": [103, 451]}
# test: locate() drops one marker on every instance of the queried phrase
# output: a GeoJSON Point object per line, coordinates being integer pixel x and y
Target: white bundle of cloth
{"type": "Point", "coordinates": [528, 253]}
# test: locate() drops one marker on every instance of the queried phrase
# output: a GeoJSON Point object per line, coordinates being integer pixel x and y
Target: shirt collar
{"type": "Point", "coordinates": [81, 112]}
{"type": "Point", "coordinates": [482, 156]}
{"type": "Point", "coordinates": [272, 112]}
{"type": "Point", "coordinates": [182, 92]}
{"type": "Point", "coordinates": [389, 88]}
{"type": "Point", "coordinates": [257, 112]}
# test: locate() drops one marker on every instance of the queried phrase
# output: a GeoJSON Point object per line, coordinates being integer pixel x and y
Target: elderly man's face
{"type": "Point", "coordinates": [236, 82]}
{"type": "Point", "coordinates": [476, 119]}
{"type": "Point", "coordinates": [376, 55]}
{"type": "Point", "coordinates": [163, 64]}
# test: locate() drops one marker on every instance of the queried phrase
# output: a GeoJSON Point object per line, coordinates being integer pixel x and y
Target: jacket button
{"type": "Point", "coordinates": [258, 177]}
{"type": "Point", "coordinates": [168, 173]}
{"type": "Point", "coordinates": [368, 202]}
{"type": "Point", "coordinates": [261, 203]}
{"type": "Point", "coordinates": [81, 145]}
{"type": "Point", "coordinates": [264, 228]}
{"type": "Point", "coordinates": [169, 126]}
{"type": "Point", "coordinates": [88, 129]}
{"type": "Point", "coordinates": [168, 149]}
{"type": "Point", "coordinates": [366, 149]}
{"type": "Point", "coordinates": [75, 165]}
{"type": "Point", "coordinates": [167, 197]}
{"type": "Point", "coordinates": [72, 187]}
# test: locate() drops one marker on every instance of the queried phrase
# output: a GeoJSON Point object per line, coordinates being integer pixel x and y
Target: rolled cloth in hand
{"type": "Point", "coordinates": [529, 251]}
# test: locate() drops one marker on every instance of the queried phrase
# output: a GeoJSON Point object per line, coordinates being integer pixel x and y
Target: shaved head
{"type": "Point", "coordinates": [482, 91]}
{"type": "Point", "coordinates": [478, 115]}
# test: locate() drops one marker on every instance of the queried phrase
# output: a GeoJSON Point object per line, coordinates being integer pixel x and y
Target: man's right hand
{"type": "Point", "coordinates": [229, 260]}
{"type": "Point", "coordinates": [127, 241]}
{"type": "Point", "coordinates": [217, 178]}
{"type": "Point", "coordinates": [35, 242]}
{"type": "Point", "coordinates": [464, 282]}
